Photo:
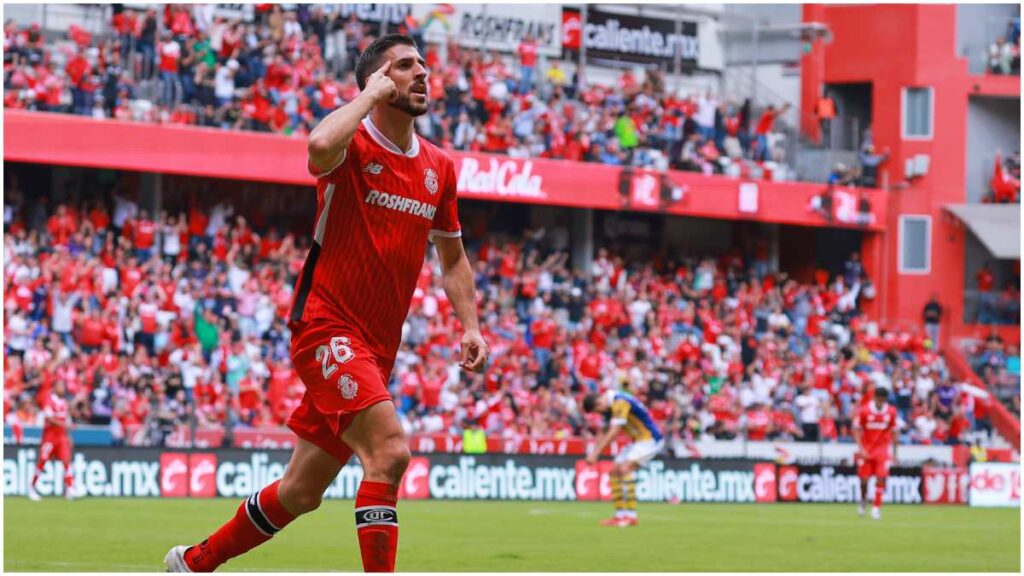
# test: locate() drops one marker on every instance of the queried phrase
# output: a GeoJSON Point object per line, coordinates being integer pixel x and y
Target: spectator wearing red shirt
{"type": "Point", "coordinates": [61, 226]}
{"type": "Point", "coordinates": [986, 298]}
{"type": "Point", "coordinates": [527, 63]}
{"type": "Point", "coordinates": [90, 336]}
{"type": "Point", "coordinates": [77, 69]}
{"type": "Point", "coordinates": [499, 134]}
{"type": "Point", "coordinates": [764, 126]}
{"type": "Point", "coordinates": [125, 23]}
{"type": "Point", "coordinates": [144, 237]}
{"type": "Point", "coordinates": [170, 62]}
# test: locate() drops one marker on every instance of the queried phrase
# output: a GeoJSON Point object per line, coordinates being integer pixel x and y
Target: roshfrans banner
{"type": "Point", "coordinates": [500, 27]}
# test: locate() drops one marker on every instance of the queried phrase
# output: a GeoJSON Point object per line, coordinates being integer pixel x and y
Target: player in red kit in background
{"type": "Point", "coordinates": [874, 430]}
{"type": "Point", "coordinates": [56, 444]}
{"type": "Point", "coordinates": [382, 193]}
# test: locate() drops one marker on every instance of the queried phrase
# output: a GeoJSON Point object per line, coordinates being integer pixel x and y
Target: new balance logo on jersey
{"type": "Point", "coordinates": [372, 168]}
{"type": "Point", "coordinates": [401, 204]}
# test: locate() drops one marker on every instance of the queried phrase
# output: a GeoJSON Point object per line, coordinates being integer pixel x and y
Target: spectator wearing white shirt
{"type": "Point", "coordinates": [705, 116]}
{"type": "Point", "coordinates": [61, 320]}
{"type": "Point", "coordinates": [219, 215]}
{"type": "Point", "coordinates": [19, 334]}
{"type": "Point", "coordinates": [465, 132]}
{"type": "Point", "coordinates": [924, 427]}
{"type": "Point", "coordinates": [171, 239]}
{"type": "Point", "coordinates": [778, 322]}
{"type": "Point", "coordinates": [224, 83]}
{"type": "Point", "coordinates": [124, 210]}
{"type": "Point", "coordinates": [809, 406]}
{"type": "Point", "coordinates": [923, 385]}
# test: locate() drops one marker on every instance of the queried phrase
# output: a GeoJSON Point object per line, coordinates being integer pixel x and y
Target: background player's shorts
{"type": "Point", "coordinates": [876, 466]}
{"type": "Point", "coordinates": [342, 377]}
{"type": "Point", "coordinates": [640, 452]}
{"type": "Point", "coordinates": [55, 448]}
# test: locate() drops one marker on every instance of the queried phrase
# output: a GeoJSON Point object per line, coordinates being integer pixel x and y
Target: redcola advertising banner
{"type": "Point", "coordinates": [169, 473]}
{"type": "Point", "coordinates": [30, 137]}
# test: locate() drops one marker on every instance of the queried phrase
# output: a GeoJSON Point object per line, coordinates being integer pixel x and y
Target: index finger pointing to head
{"type": "Point", "coordinates": [384, 69]}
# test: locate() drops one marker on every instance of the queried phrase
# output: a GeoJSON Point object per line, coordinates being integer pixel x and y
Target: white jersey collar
{"type": "Point", "coordinates": [390, 146]}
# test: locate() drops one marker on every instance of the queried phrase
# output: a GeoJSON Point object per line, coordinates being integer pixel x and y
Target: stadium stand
{"type": "Point", "coordinates": [286, 72]}
{"type": "Point", "coordinates": [148, 318]}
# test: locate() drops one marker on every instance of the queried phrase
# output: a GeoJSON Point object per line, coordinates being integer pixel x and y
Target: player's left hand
{"type": "Point", "coordinates": [474, 351]}
{"type": "Point", "coordinates": [591, 459]}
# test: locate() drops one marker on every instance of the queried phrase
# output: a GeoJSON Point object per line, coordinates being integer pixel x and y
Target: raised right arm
{"type": "Point", "coordinates": [331, 137]}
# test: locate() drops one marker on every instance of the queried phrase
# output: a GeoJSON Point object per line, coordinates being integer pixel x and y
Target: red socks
{"type": "Point", "coordinates": [879, 492]}
{"type": "Point", "coordinates": [69, 478]}
{"type": "Point", "coordinates": [377, 525]}
{"type": "Point", "coordinates": [261, 516]}
{"type": "Point", "coordinates": [256, 521]}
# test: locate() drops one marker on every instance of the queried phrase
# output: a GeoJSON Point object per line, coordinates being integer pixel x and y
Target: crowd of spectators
{"type": "Point", "coordinates": [992, 304]}
{"type": "Point", "coordinates": [286, 70]}
{"type": "Point", "coordinates": [151, 318]}
{"type": "Point", "coordinates": [1004, 53]}
{"type": "Point", "coordinates": [998, 366]}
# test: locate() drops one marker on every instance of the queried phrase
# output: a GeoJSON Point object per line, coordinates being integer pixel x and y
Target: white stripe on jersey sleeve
{"type": "Point", "coordinates": [434, 232]}
{"type": "Point", "coordinates": [321, 222]}
{"type": "Point", "coordinates": [333, 168]}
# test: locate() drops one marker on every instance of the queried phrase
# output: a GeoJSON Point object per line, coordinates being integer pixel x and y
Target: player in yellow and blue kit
{"type": "Point", "coordinates": [627, 415]}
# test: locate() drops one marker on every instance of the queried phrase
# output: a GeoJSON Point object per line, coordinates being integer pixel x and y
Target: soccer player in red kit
{"type": "Point", "coordinates": [874, 430]}
{"type": "Point", "coordinates": [382, 193]}
{"type": "Point", "coordinates": [56, 444]}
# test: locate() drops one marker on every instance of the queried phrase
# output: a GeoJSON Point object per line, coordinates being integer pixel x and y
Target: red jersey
{"type": "Point", "coordinates": [145, 234]}
{"type": "Point", "coordinates": [528, 54]}
{"type": "Point", "coordinates": [375, 213]}
{"type": "Point", "coordinates": [56, 408]}
{"type": "Point", "coordinates": [876, 426]}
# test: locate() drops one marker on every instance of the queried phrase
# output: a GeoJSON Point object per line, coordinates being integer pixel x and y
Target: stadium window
{"type": "Point", "coordinates": [915, 245]}
{"type": "Point", "coordinates": [917, 107]}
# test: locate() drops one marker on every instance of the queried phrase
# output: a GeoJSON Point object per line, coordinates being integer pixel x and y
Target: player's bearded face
{"type": "Point", "coordinates": [413, 100]}
{"type": "Point", "coordinates": [410, 78]}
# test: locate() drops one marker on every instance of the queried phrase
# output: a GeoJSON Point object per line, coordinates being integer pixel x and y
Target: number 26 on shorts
{"type": "Point", "coordinates": [339, 351]}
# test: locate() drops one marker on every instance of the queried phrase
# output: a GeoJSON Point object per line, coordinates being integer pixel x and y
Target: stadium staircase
{"type": "Point", "coordinates": [1006, 423]}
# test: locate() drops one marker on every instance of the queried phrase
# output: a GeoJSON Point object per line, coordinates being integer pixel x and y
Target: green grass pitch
{"type": "Point", "coordinates": [130, 535]}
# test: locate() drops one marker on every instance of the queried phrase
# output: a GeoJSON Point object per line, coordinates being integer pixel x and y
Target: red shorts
{"type": "Point", "coordinates": [877, 466]}
{"type": "Point", "coordinates": [342, 377]}
{"type": "Point", "coordinates": [55, 447]}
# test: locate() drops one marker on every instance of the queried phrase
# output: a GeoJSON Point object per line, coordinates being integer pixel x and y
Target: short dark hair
{"type": "Point", "coordinates": [589, 403]}
{"type": "Point", "coordinates": [881, 392]}
{"type": "Point", "coordinates": [372, 58]}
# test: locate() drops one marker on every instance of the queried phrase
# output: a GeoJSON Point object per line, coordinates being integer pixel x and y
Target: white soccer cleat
{"type": "Point", "coordinates": [175, 559]}
{"type": "Point", "coordinates": [33, 495]}
{"type": "Point", "coordinates": [860, 509]}
{"type": "Point", "coordinates": [876, 513]}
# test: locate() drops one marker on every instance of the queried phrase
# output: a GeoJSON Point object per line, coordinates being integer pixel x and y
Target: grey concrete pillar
{"type": "Point", "coordinates": [582, 231]}
{"type": "Point", "coordinates": [151, 193]}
